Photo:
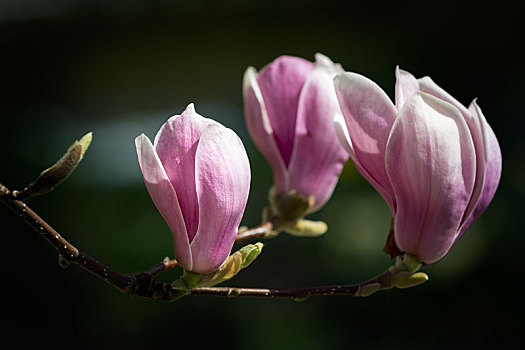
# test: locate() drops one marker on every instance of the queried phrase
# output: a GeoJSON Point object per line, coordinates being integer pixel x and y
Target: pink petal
{"type": "Point", "coordinates": [342, 134]}
{"type": "Point", "coordinates": [426, 84]}
{"type": "Point", "coordinates": [406, 86]}
{"type": "Point", "coordinates": [488, 154]}
{"type": "Point", "coordinates": [476, 123]}
{"type": "Point", "coordinates": [317, 157]}
{"type": "Point", "coordinates": [176, 144]}
{"type": "Point", "coordinates": [431, 162]}
{"type": "Point", "coordinates": [165, 198]}
{"type": "Point", "coordinates": [369, 115]}
{"type": "Point", "coordinates": [260, 129]}
{"type": "Point", "coordinates": [223, 183]}
{"type": "Point", "coordinates": [280, 83]}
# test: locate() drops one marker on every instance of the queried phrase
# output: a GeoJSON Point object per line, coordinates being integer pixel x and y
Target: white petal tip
{"type": "Point", "coordinates": [249, 78]}
{"type": "Point", "coordinates": [322, 59]}
{"type": "Point", "coordinates": [140, 138]}
{"type": "Point", "coordinates": [190, 107]}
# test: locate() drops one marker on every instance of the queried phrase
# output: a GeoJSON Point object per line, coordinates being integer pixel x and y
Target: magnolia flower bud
{"type": "Point", "coordinates": [436, 163]}
{"type": "Point", "coordinates": [288, 107]}
{"type": "Point", "coordinates": [198, 175]}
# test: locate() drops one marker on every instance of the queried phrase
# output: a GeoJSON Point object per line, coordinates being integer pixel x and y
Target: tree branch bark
{"type": "Point", "coordinates": [144, 283]}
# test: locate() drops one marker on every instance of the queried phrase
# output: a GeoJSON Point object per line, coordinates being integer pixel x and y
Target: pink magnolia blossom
{"type": "Point", "coordinates": [198, 175]}
{"type": "Point", "coordinates": [436, 163]}
{"type": "Point", "coordinates": [288, 107]}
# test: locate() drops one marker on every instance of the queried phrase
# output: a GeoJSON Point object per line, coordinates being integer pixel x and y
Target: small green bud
{"type": "Point", "coordinates": [405, 279]}
{"type": "Point", "coordinates": [57, 173]}
{"type": "Point", "coordinates": [249, 253]}
{"type": "Point", "coordinates": [306, 228]}
{"type": "Point", "coordinates": [84, 142]}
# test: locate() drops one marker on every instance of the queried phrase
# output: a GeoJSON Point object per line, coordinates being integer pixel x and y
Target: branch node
{"type": "Point", "coordinates": [233, 292]}
{"type": "Point", "coordinates": [63, 262]}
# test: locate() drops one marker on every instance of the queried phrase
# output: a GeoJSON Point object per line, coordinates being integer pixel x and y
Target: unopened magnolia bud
{"type": "Point", "coordinates": [288, 107]}
{"type": "Point", "coordinates": [57, 173]}
{"type": "Point", "coordinates": [457, 156]}
{"type": "Point", "coordinates": [198, 174]}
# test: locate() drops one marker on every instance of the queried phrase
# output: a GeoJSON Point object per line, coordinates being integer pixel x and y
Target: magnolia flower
{"type": "Point", "coordinates": [436, 163]}
{"type": "Point", "coordinates": [289, 107]}
{"type": "Point", "coordinates": [198, 175]}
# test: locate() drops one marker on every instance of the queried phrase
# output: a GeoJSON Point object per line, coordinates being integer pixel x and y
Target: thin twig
{"type": "Point", "coordinates": [383, 281]}
{"type": "Point", "coordinates": [264, 230]}
{"type": "Point", "coordinates": [144, 284]}
{"type": "Point", "coordinates": [165, 265]}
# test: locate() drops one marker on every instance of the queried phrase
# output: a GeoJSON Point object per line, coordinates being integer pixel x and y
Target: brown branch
{"type": "Point", "coordinates": [144, 284]}
{"type": "Point", "coordinates": [136, 283]}
{"type": "Point", "coordinates": [380, 282]}
{"type": "Point", "coordinates": [264, 230]}
{"type": "Point", "coordinates": [165, 265]}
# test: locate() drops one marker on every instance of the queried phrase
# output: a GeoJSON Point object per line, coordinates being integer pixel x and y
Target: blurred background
{"type": "Point", "coordinates": [122, 68]}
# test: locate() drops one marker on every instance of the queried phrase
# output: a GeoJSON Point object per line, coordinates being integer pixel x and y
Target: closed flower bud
{"type": "Point", "coordinates": [198, 175]}
{"type": "Point", "coordinates": [289, 106]}
{"type": "Point", "coordinates": [436, 163]}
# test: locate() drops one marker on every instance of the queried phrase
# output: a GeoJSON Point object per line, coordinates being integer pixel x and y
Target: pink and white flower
{"type": "Point", "coordinates": [198, 175]}
{"type": "Point", "coordinates": [288, 107]}
{"type": "Point", "coordinates": [436, 163]}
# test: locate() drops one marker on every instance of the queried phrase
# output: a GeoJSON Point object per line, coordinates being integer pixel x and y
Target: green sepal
{"type": "Point", "coordinates": [187, 281]}
{"type": "Point", "coordinates": [286, 213]}
{"type": "Point", "coordinates": [411, 263]}
{"type": "Point", "coordinates": [229, 269]}
{"type": "Point", "coordinates": [290, 205]}
{"type": "Point", "coordinates": [405, 279]}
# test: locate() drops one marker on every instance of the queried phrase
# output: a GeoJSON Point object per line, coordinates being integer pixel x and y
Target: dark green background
{"type": "Point", "coordinates": [122, 68]}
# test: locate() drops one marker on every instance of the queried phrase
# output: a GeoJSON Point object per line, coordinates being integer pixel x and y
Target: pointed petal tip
{"type": "Point", "coordinates": [474, 102]}
{"type": "Point", "coordinates": [400, 71]}
{"type": "Point", "coordinates": [426, 79]}
{"type": "Point", "coordinates": [190, 107]}
{"type": "Point", "coordinates": [250, 70]}
{"type": "Point", "coordinates": [322, 59]}
{"type": "Point", "coordinates": [139, 139]}
{"type": "Point", "coordinates": [249, 78]}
